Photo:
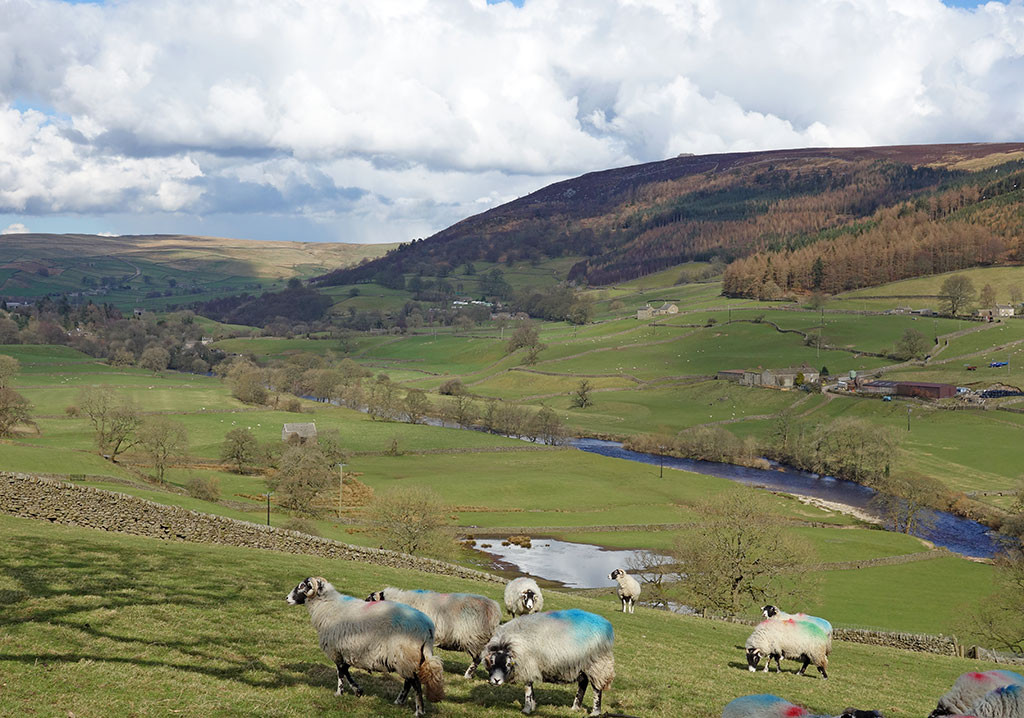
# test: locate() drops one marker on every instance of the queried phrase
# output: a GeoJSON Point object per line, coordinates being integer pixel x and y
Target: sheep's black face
{"type": "Point", "coordinates": [753, 658]}
{"type": "Point", "coordinates": [499, 666]}
{"type": "Point", "coordinates": [615, 574]}
{"type": "Point", "coordinates": [300, 593]}
{"type": "Point", "coordinates": [375, 596]}
{"type": "Point", "coordinates": [769, 610]}
{"type": "Point", "coordinates": [528, 598]}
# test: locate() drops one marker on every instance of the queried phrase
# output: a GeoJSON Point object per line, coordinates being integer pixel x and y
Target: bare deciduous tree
{"type": "Point", "coordinates": [14, 410]}
{"type": "Point", "coordinates": [303, 474]}
{"type": "Point", "coordinates": [240, 448]}
{"type": "Point", "coordinates": [114, 419]}
{"type": "Point", "coordinates": [412, 520]}
{"type": "Point", "coordinates": [163, 440]}
{"type": "Point", "coordinates": [738, 556]}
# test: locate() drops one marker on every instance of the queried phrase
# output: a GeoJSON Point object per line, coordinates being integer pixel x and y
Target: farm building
{"type": "Point", "coordinates": [879, 386]}
{"type": "Point", "coordinates": [648, 312]}
{"type": "Point", "coordinates": [925, 389]}
{"type": "Point", "coordinates": [303, 432]}
{"type": "Point", "coordinates": [779, 378]}
{"type": "Point", "coordinates": [996, 312]}
{"type": "Point", "coordinates": [735, 375]}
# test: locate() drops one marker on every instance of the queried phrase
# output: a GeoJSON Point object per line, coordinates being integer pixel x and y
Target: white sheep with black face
{"type": "Point", "coordinates": [629, 588]}
{"type": "Point", "coordinates": [797, 640]}
{"type": "Point", "coordinates": [462, 621]}
{"type": "Point", "coordinates": [975, 687]}
{"type": "Point", "coordinates": [522, 596]}
{"type": "Point", "coordinates": [765, 705]}
{"type": "Point", "coordinates": [571, 646]}
{"type": "Point", "coordinates": [381, 636]}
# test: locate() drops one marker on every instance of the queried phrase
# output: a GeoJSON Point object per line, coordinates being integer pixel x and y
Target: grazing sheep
{"type": "Point", "coordinates": [522, 596]}
{"type": "Point", "coordinates": [797, 640]}
{"type": "Point", "coordinates": [556, 647]}
{"type": "Point", "coordinates": [381, 636]}
{"type": "Point", "coordinates": [629, 588]}
{"type": "Point", "coordinates": [462, 621]}
{"type": "Point", "coordinates": [771, 611]}
{"type": "Point", "coordinates": [971, 688]}
{"type": "Point", "coordinates": [1003, 702]}
{"type": "Point", "coordinates": [765, 705]}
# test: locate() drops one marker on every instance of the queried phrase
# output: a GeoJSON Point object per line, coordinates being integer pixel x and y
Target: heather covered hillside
{"type": "Point", "coordinates": [943, 207]}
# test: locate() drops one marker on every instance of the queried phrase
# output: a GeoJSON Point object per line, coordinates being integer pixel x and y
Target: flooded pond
{"type": "Point", "coordinates": [575, 565]}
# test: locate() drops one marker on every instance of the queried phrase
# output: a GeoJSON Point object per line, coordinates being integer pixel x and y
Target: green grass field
{"type": "Point", "coordinates": [103, 624]}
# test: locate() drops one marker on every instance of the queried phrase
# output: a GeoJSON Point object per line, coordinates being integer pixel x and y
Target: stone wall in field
{"type": "Point", "coordinates": [61, 502]}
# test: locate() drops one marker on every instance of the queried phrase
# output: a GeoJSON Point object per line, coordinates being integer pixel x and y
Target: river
{"type": "Point", "coordinates": [960, 535]}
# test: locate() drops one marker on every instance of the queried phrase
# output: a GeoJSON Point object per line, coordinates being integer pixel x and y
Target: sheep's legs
{"type": "Point", "coordinates": [529, 703]}
{"type": "Point", "coordinates": [578, 702]}
{"type": "Point", "coordinates": [344, 675]}
{"type": "Point", "coordinates": [472, 667]}
{"type": "Point", "coordinates": [623, 605]}
{"type": "Point", "coordinates": [596, 710]}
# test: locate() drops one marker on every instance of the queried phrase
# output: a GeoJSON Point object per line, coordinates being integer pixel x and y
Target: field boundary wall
{"type": "Point", "coordinates": [61, 502]}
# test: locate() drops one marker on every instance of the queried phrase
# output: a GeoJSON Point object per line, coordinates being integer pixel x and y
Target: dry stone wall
{"type": "Point", "coordinates": [66, 503]}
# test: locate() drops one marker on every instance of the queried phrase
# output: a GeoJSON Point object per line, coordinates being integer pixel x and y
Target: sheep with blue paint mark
{"type": "Point", "coordinates": [522, 596]}
{"type": "Point", "coordinates": [380, 636]}
{"type": "Point", "coordinates": [972, 688]}
{"type": "Point", "coordinates": [765, 705]}
{"type": "Point", "coordinates": [771, 612]}
{"type": "Point", "coordinates": [570, 646]}
{"type": "Point", "coordinates": [1002, 702]}
{"type": "Point", "coordinates": [462, 621]}
{"type": "Point", "coordinates": [794, 639]}
{"type": "Point", "coordinates": [777, 613]}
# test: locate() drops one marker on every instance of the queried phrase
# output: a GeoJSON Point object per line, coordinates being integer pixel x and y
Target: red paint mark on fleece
{"type": "Point", "coordinates": [794, 711]}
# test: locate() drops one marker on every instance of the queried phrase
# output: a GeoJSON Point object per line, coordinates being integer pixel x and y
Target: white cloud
{"type": "Point", "coordinates": [404, 115]}
{"type": "Point", "coordinates": [16, 228]}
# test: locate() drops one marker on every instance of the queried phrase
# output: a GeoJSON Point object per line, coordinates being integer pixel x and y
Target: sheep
{"type": "Point", "coordinates": [771, 611]}
{"type": "Point", "coordinates": [1002, 702]}
{"type": "Point", "coordinates": [972, 687]}
{"type": "Point", "coordinates": [522, 596]}
{"type": "Point", "coordinates": [557, 647]}
{"type": "Point", "coordinates": [629, 588]}
{"type": "Point", "coordinates": [462, 621]}
{"type": "Point", "coordinates": [790, 638]}
{"type": "Point", "coordinates": [381, 636]}
{"type": "Point", "coordinates": [765, 705]}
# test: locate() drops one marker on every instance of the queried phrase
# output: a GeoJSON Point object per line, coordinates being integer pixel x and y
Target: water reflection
{"type": "Point", "coordinates": [575, 565]}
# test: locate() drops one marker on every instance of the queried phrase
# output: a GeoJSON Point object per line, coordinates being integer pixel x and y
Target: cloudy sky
{"type": "Point", "coordinates": [385, 120]}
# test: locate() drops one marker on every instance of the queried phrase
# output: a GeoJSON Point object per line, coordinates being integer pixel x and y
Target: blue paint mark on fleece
{"type": "Point", "coordinates": [1011, 676]}
{"type": "Point", "coordinates": [409, 619]}
{"type": "Point", "coordinates": [758, 704]}
{"type": "Point", "coordinates": [585, 626]}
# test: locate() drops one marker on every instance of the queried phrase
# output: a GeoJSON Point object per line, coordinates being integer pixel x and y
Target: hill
{"type": "Point", "coordinates": [109, 624]}
{"type": "Point", "coordinates": [628, 222]}
{"type": "Point", "coordinates": [156, 270]}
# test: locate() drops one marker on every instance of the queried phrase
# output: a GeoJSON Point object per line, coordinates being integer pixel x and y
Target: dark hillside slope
{"type": "Point", "coordinates": [632, 221]}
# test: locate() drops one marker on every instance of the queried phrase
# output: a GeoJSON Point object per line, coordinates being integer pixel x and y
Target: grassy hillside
{"type": "Point", "coordinates": [103, 624]}
{"type": "Point", "coordinates": [630, 222]}
{"type": "Point", "coordinates": [156, 270]}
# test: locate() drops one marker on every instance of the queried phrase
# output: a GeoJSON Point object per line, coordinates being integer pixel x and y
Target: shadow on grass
{"type": "Point", "coordinates": [100, 595]}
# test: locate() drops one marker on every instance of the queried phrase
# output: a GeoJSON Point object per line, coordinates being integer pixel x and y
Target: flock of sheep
{"type": "Point", "coordinates": [396, 630]}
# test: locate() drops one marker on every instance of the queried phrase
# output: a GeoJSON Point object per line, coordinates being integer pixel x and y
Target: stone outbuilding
{"type": "Point", "coordinates": [303, 431]}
